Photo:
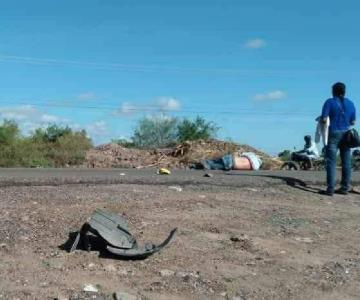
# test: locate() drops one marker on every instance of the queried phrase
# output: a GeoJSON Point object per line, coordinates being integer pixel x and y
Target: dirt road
{"type": "Point", "coordinates": [241, 235]}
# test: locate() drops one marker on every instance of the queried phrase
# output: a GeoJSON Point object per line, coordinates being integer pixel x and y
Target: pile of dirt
{"type": "Point", "coordinates": [181, 156]}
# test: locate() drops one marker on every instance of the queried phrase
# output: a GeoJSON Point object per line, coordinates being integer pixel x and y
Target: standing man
{"type": "Point", "coordinates": [342, 115]}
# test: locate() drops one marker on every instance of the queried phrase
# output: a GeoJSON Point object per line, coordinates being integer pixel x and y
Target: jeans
{"type": "Point", "coordinates": [334, 143]}
{"type": "Point", "coordinates": [223, 163]}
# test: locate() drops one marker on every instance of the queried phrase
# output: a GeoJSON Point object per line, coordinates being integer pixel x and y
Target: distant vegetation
{"type": "Point", "coordinates": [163, 131]}
{"type": "Point", "coordinates": [57, 146]}
{"type": "Point", "coordinates": [54, 146]}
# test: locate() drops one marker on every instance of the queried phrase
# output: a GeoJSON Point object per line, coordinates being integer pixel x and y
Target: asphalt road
{"type": "Point", "coordinates": [21, 177]}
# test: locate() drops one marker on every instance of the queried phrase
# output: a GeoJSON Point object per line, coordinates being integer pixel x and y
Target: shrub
{"type": "Point", "coordinates": [195, 130]}
{"type": "Point", "coordinates": [54, 146]}
{"type": "Point", "coordinates": [155, 132]}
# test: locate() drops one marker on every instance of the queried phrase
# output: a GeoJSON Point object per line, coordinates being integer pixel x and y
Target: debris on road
{"type": "Point", "coordinates": [88, 287]}
{"type": "Point", "coordinates": [208, 175]}
{"type": "Point", "coordinates": [175, 188]}
{"type": "Point", "coordinates": [304, 239]}
{"type": "Point", "coordinates": [163, 171]}
{"type": "Point", "coordinates": [114, 236]}
{"type": "Point", "coordinates": [166, 273]}
{"type": "Point", "coordinates": [124, 296]}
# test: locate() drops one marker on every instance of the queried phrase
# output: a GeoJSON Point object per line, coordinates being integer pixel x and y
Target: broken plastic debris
{"type": "Point", "coordinates": [175, 188]}
{"type": "Point", "coordinates": [88, 287]}
{"type": "Point", "coordinates": [113, 231]}
{"type": "Point", "coordinates": [163, 171]}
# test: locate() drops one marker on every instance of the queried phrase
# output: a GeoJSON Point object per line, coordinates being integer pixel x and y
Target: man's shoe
{"type": "Point", "coordinates": [341, 192]}
{"type": "Point", "coordinates": [326, 193]}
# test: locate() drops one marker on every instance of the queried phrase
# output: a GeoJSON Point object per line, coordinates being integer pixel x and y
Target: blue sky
{"type": "Point", "coordinates": [259, 69]}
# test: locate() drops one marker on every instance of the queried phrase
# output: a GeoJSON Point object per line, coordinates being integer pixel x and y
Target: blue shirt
{"type": "Point", "coordinates": [342, 114]}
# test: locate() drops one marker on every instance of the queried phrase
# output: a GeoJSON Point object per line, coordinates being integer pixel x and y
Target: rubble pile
{"type": "Point", "coordinates": [181, 156]}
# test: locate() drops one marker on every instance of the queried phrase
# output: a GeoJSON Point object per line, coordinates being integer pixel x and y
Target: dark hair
{"type": "Point", "coordinates": [338, 90]}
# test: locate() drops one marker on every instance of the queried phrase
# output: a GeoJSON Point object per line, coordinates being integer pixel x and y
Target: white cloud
{"type": "Point", "coordinates": [255, 43]}
{"type": "Point", "coordinates": [161, 104]}
{"type": "Point", "coordinates": [168, 104]}
{"type": "Point", "coordinates": [45, 118]}
{"type": "Point", "coordinates": [29, 117]}
{"type": "Point", "coordinates": [97, 129]}
{"type": "Point", "coordinates": [271, 96]}
{"type": "Point", "coordinates": [18, 113]}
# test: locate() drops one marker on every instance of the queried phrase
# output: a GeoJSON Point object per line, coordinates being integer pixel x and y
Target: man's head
{"type": "Point", "coordinates": [339, 89]}
{"type": "Point", "coordinates": [307, 139]}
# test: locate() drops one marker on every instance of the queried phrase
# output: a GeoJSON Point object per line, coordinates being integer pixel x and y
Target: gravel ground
{"type": "Point", "coordinates": [239, 236]}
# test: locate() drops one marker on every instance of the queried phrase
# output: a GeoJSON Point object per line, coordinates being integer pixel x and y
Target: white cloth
{"type": "Point", "coordinates": [255, 160]}
{"type": "Point", "coordinates": [322, 130]}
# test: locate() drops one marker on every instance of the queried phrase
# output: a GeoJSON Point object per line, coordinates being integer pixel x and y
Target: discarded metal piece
{"type": "Point", "coordinates": [113, 230]}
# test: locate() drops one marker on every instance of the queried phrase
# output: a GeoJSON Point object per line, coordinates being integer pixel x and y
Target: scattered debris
{"type": "Point", "coordinates": [175, 188]}
{"type": "Point", "coordinates": [166, 273]}
{"type": "Point", "coordinates": [115, 237]}
{"type": "Point", "coordinates": [88, 287]}
{"type": "Point", "coordinates": [234, 239]}
{"type": "Point", "coordinates": [163, 171]}
{"type": "Point", "coordinates": [304, 239]}
{"type": "Point", "coordinates": [124, 296]}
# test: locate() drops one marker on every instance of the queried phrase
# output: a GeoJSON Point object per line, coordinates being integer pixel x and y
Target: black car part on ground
{"type": "Point", "coordinates": [114, 232]}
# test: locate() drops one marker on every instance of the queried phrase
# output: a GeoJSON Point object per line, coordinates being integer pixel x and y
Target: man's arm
{"type": "Point", "coordinates": [325, 111]}
{"type": "Point", "coordinates": [353, 117]}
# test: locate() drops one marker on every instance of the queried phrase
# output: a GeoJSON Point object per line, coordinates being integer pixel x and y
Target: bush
{"type": "Point", "coordinates": [159, 132]}
{"type": "Point", "coordinates": [54, 146]}
{"type": "Point", "coordinates": [195, 130]}
{"type": "Point", "coordinates": [155, 132]}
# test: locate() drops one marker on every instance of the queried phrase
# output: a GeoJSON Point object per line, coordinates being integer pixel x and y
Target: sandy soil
{"type": "Point", "coordinates": [274, 242]}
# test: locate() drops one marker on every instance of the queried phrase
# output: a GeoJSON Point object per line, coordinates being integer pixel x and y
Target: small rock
{"type": "Point", "coordinates": [234, 239]}
{"type": "Point", "coordinates": [124, 296]}
{"type": "Point", "coordinates": [110, 268]}
{"type": "Point", "coordinates": [304, 240]}
{"type": "Point", "coordinates": [88, 287]}
{"type": "Point", "coordinates": [61, 297]}
{"type": "Point", "coordinates": [122, 272]}
{"type": "Point", "coordinates": [208, 175]}
{"type": "Point", "coordinates": [122, 174]}
{"type": "Point", "coordinates": [181, 274]}
{"type": "Point", "coordinates": [223, 294]}
{"type": "Point", "coordinates": [175, 188]}
{"type": "Point", "coordinates": [166, 273]}
{"type": "Point", "coordinates": [91, 265]}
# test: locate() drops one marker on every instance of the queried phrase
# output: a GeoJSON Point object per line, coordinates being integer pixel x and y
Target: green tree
{"type": "Point", "coordinates": [155, 132]}
{"type": "Point", "coordinates": [52, 133]}
{"type": "Point", "coordinates": [9, 132]}
{"type": "Point", "coordinates": [189, 130]}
